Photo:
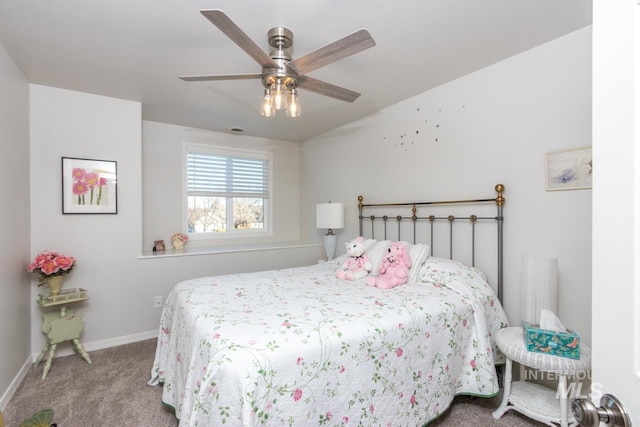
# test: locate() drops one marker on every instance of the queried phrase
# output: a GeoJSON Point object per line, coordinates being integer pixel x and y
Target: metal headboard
{"type": "Point", "coordinates": [414, 218]}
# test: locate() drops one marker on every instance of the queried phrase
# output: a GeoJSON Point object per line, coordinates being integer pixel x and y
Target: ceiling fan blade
{"type": "Point", "coordinates": [346, 46]}
{"type": "Point", "coordinates": [239, 37]}
{"type": "Point", "coordinates": [220, 77]}
{"type": "Point", "coordinates": [327, 89]}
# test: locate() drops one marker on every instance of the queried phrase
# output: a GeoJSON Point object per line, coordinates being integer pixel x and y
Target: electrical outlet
{"type": "Point", "coordinates": [157, 301]}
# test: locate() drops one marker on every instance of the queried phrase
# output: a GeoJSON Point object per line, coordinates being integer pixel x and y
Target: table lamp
{"type": "Point", "coordinates": [330, 216]}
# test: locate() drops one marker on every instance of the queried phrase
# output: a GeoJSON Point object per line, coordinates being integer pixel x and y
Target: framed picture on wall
{"type": "Point", "coordinates": [89, 186]}
{"type": "Point", "coordinates": [158, 245]}
{"type": "Point", "coordinates": [569, 169]}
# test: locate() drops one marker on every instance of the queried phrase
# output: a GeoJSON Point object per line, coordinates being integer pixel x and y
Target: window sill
{"type": "Point", "coordinates": [208, 250]}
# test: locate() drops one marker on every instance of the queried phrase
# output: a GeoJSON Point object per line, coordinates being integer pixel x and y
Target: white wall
{"type": "Point", "coordinates": [616, 203]}
{"type": "Point", "coordinates": [72, 124]}
{"type": "Point", "coordinates": [121, 285]}
{"type": "Point", "coordinates": [162, 181]}
{"type": "Point", "coordinates": [458, 140]}
{"type": "Point", "coordinates": [15, 283]}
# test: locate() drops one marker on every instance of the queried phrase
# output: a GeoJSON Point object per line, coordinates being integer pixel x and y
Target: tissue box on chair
{"type": "Point", "coordinates": [563, 344]}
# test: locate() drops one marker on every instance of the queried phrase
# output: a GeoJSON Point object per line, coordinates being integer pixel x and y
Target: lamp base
{"type": "Point", "coordinates": [330, 245]}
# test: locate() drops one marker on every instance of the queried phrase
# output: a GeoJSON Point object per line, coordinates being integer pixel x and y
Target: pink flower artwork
{"type": "Point", "coordinates": [92, 179]}
{"type": "Point", "coordinates": [80, 189]}
{"type": "Point", "coordinates": [88, 187]}
{"type": "Point", "coordinates": [78, 174]}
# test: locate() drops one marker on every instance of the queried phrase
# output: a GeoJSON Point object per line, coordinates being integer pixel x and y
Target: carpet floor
{"type": "Point", "coordinates": [113, 391]}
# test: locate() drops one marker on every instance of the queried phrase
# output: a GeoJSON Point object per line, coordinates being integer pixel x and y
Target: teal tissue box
{"type": "Point", "coordinates": [563, 344]}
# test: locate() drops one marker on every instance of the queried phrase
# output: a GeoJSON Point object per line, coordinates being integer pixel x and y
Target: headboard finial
{"type": "Point", "coordinates": [500, 199]}
{"type": "Point", "coordinates": [360, 198]}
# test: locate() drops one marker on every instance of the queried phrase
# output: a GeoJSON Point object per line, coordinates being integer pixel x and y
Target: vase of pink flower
{"type": "Point", "coordinates": [178, 240]}
{"type": "Point", "coordinates": [51, 268]}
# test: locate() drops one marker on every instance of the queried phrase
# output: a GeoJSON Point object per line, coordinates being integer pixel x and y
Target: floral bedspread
{"type": "Point", "coordinates": [299, 347]}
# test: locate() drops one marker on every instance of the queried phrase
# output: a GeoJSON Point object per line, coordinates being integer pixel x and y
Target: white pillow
{"type": "Point", "coordinates": [418, 253]}
{"type": "Point", "coordinates": [376, 253]}
{"type": "Point", "coordinates": [368, 244]}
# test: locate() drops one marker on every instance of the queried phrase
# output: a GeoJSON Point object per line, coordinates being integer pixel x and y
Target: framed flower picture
{"type": "Point", "coordinates": [89, 186]}
{"type": "Point", "coordinates": [569, 169]}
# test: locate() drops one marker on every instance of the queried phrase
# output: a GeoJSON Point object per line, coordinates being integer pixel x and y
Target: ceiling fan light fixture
{"type": "Point", "coordinates": [282, 75]}
{"type": "Point", "coordinates": [279, 95]}
{"type": "Point", "coordinates": [266, 106]}
{"type": "Point", "coordinates": [294, 109]}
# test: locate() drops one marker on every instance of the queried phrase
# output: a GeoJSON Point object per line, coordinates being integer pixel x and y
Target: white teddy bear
{"type": "Point", "coordinates": [357, 264]}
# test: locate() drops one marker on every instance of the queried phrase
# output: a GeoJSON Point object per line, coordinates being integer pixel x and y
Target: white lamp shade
{"type": "Point", "coordinates": [539, 287]}
{"type": "Point", "coordinates": [330, 215]}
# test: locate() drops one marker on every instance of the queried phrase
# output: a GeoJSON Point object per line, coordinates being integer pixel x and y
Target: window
{"type": "Point", "coordinates": [227, 191]}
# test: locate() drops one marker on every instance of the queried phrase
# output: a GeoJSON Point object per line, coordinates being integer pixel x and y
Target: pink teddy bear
{"type": "Point", "coordinates": [394, 269]}
{"type": "Point", "coordinates": [357, 264]}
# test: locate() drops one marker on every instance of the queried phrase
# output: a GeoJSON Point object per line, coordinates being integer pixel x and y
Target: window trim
{"type": "Point", "coordinates": [267, 231]}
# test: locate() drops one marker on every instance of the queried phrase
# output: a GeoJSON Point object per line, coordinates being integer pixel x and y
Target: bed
{"type": "Point", "coordinates": [300, 347]}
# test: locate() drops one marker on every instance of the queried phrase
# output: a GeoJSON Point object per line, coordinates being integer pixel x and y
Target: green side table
{"type": "Point", "coordinates": [61, 326]}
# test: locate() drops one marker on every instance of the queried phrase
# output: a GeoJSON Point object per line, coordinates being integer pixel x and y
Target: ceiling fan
{"type": "Point", "coordinates": [281, 74]}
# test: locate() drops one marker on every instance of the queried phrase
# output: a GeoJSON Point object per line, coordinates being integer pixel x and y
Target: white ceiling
{"type": "Point", "coordinates": [136, 49]}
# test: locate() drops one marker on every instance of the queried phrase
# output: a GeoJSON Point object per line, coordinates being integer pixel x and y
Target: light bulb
{"type": "Point", "coordinates": [278, 92]}
{"type": "Point", "coordinates": [294, 109]}
{"type": "Point", "coordinates": [266, 105]}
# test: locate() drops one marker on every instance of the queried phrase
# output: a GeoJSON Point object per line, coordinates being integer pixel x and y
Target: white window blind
{"type": "Point", "coordinates": [217, 175]}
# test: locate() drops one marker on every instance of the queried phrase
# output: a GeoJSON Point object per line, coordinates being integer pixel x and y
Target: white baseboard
{"type": "Point", "coordinates": [68, 351]}
{"type": "Point", "coordinates": [6, 397]}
